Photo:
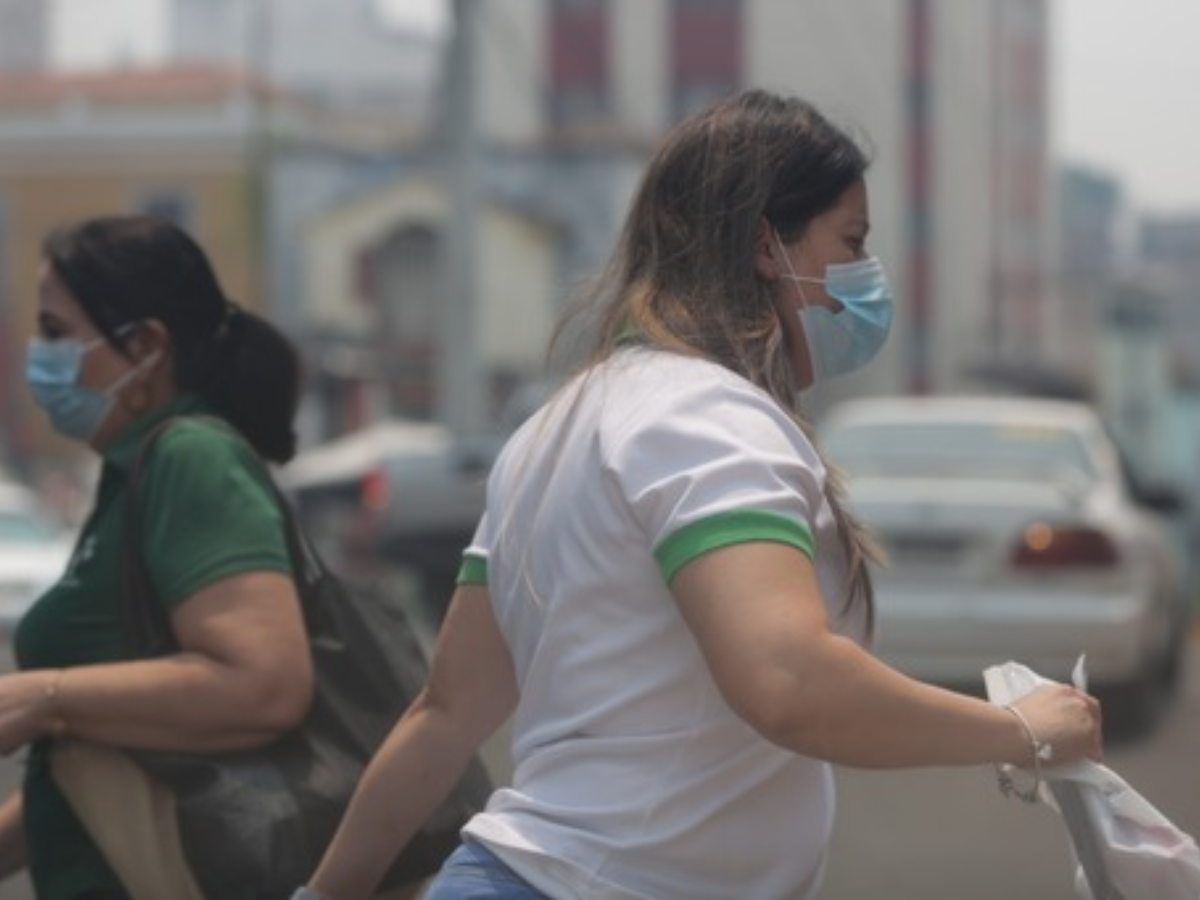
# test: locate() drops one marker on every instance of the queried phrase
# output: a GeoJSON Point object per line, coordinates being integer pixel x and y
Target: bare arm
{"type": "Point", "coordinates": [13, 851]}
{"type": "Point", "coordinates": [242, 677]}
{"type": "Point", "coordinates": [471, 691]}
{"type": "Point", "coordinates": [757, 613]}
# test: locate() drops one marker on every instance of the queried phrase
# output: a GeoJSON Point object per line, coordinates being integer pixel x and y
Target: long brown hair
{"type": "Point", "coordinates": [682, 276]}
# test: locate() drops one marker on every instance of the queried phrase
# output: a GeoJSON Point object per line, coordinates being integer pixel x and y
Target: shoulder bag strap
{"type": "Point", "coordinates": [147, 625]}
{"type": "Point", "coordinates": [307, 564]}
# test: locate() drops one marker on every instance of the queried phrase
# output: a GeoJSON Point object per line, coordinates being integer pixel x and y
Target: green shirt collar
{"type": "Point", "coordinates": [123, 450]}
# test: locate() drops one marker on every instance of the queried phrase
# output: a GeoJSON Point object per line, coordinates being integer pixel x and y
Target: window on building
{"type": "Point", "coordinates": [579, 62]}
{"type": "Point", "coordinates": [403, 286]}
{"type": "Point", "coordinates": [706, 52]}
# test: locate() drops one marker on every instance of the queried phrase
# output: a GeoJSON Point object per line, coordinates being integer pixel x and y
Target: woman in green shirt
{"type": "Point", "coordinates": [133, 328]}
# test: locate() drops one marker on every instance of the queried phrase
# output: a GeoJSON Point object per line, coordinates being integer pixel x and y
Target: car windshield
{"type": "Point", "coordinates": [953, 449]}
{"type": "Point", "coordinates": [22, 528]}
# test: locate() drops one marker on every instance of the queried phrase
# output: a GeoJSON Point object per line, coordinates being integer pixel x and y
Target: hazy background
{"type": "Point", "coordinates": [1124, 79]}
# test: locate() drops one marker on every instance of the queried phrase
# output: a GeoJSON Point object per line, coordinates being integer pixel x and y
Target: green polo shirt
{"type": "Point", "coordinates": [206, 512]}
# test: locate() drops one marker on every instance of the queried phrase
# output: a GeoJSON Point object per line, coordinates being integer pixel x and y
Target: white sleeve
{"type": "Point", "coordinates": [714, 448]}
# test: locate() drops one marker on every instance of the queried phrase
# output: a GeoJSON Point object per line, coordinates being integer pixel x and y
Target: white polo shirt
{"type": "Point", "coordinates": [633, 777]}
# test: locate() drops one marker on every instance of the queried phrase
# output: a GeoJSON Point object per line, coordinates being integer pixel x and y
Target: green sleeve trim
{"type": "Point", "coordinates": [725, 529]}
{"type": "Point", "coordinates": [473, 570]}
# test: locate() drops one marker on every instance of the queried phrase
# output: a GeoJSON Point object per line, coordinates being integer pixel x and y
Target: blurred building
{"type": "Point", "coordinates": [24, 35]}
{"type": "Point", "coordinates": [383, 250]}
{"type": "Point", "coordinates": [1133, 385]}
{"type": "Point", "coordinates": [1130, 291]}
{"type": "Point", "coordinates": [339, 54]}
{"type": "Point", "coordinates": [357, 226]}
{"type": "Point", "coordinates": [264, 114]}
{"type": "Point", "coordinates": [268, 120]}
{"type": "Point", "coordinates": [1091, 209]}
{"type": "Point", "coordinates": [1169, 250]}
{"type": "Point", "coordinates": [362, 317]}
{"type": "Point", "coordinates": [571, 97]}
{"type": "Point", "coordinates": [950, 97]}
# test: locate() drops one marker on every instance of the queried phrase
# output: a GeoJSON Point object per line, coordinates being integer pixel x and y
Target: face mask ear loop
{"type": "Point", "coordinates": [797, 280]}
{"type": "Point", "coordinates": [117, 386]}
{"type": "Point", "coordinates": [89, 346]}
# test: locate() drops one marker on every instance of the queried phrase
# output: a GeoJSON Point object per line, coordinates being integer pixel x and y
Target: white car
{"type": "Point", "coordinates": [34, 552]}
{"type": "Point", "coordinates": [1013, 532]}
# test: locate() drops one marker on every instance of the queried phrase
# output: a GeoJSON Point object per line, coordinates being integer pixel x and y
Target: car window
{"type": "Point", "coordinates": [1030, 451]}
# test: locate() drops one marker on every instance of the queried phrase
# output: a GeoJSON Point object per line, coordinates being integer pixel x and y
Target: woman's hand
{"type": "Point", "coordinates": [1066, 720]}
{"type": "Point", "coordinates": [28, 707]}
{"type": "Point", "coordinates": [14, 853]}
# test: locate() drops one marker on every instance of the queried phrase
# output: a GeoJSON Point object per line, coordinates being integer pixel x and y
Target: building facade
{"type": "Point", "coordinates": [949, 97]}
{"type": "Point", "coordinates": [1169, 250]}
{"type": "Point", "coordinates": [571, 96]}
{"type": "Point", "coordinates": [24, 35]}
{"type": "Point", "coordinates": [1090, 212]}
{"type": "Point", "coordinates": [338, 54]}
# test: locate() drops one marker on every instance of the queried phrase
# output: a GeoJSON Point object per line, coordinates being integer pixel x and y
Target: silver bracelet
{"type": "Point", "coordinates": [1042, 752]}
{"type": "Point", "coordinates": [307, 893]}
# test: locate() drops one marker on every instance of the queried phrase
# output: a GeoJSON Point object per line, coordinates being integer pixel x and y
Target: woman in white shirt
{"type": "Point", "coordinates": [666, 592]}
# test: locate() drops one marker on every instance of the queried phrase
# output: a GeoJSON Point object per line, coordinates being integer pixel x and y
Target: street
{"type": "Point", "coordinates": [945, 834]}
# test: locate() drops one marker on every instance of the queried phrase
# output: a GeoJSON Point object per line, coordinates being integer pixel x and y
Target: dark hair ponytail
{"type": "Point", "coordinates": [124, 269]}
{"type": "Point", "coordinates": [250, 373]}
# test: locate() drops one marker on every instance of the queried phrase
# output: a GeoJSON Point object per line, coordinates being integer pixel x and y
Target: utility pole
{"type": "Point", "coordinates": [259, 28]}
{"type": "Point", "coordinates": [459, 373]}
{"type": "Point", "coordinates": [920, 202]}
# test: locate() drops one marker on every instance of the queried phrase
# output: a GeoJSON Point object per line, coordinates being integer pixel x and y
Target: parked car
{"type": "Point", "coordinates": [34, 552]}
{"type": "Point", "coordinates": [399, 494]}
{"type": "Point", "coordinates": [1012, 530]}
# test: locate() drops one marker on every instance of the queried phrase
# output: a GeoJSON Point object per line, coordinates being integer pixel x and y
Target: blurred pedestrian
{"type": "Point", "coordinates": [132, 329]}
{"type": "Point", "coordinates": [666, 590]}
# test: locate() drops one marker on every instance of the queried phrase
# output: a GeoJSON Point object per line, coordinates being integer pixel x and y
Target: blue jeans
{"type": "Point", "coordinates": [474, 873]}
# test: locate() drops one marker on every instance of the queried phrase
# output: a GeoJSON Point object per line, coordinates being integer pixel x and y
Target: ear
{"type": "Point", "coordinates": [151, 336]}
{"type": "Point", "coordinates": [768, 262]}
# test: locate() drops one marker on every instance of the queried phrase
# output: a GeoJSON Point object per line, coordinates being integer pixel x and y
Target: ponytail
{"type": "Point", "coordinates": [250, 373]}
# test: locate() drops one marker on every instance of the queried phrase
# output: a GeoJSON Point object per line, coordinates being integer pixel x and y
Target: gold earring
{"type": "Point", "coordinates": [137, 399]}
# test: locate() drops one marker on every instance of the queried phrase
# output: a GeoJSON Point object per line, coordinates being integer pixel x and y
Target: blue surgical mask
{"type": "Point", "coordinates": [52, 373]}
{"type": "Point", "coordinates": [840, 342]}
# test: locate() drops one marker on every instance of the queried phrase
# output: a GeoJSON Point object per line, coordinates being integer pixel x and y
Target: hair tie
{"type": "Point", "coordinates": [232, 313]}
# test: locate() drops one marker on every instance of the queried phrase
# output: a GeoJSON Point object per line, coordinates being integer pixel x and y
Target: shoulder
{"type": "Point", "coordinates": [194, 444]}
{"type": "Point", "coordinates": [661, 394]}
{"type": "Point", "coordinates": [665, 381]}
{"type": "Point", "coordinates": [202, 436]}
